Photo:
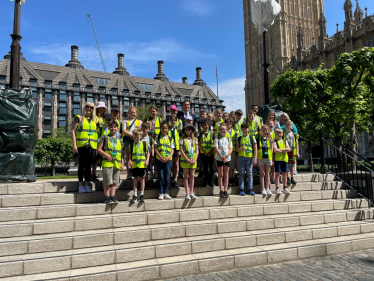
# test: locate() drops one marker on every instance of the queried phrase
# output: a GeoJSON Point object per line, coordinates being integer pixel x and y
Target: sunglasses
{"type": "Point", "coordinates": [89, 107]}
{"type": "Point", "coordinates": [188, 129]}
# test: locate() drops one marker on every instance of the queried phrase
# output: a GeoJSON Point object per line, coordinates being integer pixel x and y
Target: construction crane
{"type": "Point", "coordinates": [97, 41]}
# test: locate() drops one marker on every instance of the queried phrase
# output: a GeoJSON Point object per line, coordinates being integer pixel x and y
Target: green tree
{"type": "Point", "coordinates": [143, 112]}
{"type": "Point", "coordinates": [56, 147]}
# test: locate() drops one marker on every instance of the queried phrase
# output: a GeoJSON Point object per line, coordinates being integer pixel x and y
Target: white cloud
{"type": "Point", "coordinates": [139, 56]}
{"type": "Point", "coordinates": [232, 92]}
{"type": "Point", "coordinates": [198, 7]}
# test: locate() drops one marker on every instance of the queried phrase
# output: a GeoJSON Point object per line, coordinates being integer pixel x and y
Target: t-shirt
{"type": "Point", "coordinates": [294, 129]}
{"type": "Point", "coordinates": [166, 137]}
{"type": "Point", "coordinates": [102, 140]}
{"type": "Point", "coordinates": [264, 146]}
{"type": "Point", "coordinates": [147, 139]}
{"type": "Point", "coordinates": [223, 144]}
{"type": "Point", "coordinates": [132, 127]}
{"type": "Point", "coordinates": [276, 143]}
{"type": "Point", "coordinates": [289, 137]}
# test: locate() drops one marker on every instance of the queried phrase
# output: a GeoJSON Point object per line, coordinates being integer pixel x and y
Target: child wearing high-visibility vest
{"type": "Point", "coordinates": [217, 121]}
{"type": "Point", "coordinates": [110, 147]}
{"type": "Point", "coordinates": [254, 128]}
{"type": "Point", "coordinates": [148, 139]}
{"type": "Point", "coordinates": [155, 123]}
{"type": "Point", "coordinates": [293, 154]}
{"type": "Point", "coordinates": [232, 135]}
{"type": "Point", "coordinates": [246, 148]}
{"type": "Point", "coordinates": [225, 116]}
{"type": "Point", "coordinates": [174, 134]}
{"type": "Point", "coordinates": [281, 148]}
{"type": "Point", "coordinates": [139, 158]}
{"type": "Point", "coordinates": [238, 122]}
{"type": "Point", "coordinates": [188, 148]}
{"type": "Point", "coordinates": [164, 149]}
{"type": "Point", "coordinates": [206, 141]}
{"type": "Point", "coordinates": [223, 149]}
{"type": "Point", "coordinates": [272, 133]}
{"type": "Point", "coordinates": [203, 115]}
{"type": "Point", "coordinates": [265, 158]}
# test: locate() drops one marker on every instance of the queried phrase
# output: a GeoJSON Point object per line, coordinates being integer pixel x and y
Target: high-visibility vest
{"type": "Point", "coordinates": [157, 124]}
{"type": "Point", "coordinates": [294, 151]}
{"type": "Point", "coordinates": [103, 132]}
{"type": "Point", "coordinates": [206, 141]}
{"type": "Point", "coordinates": [232, 135]}
{"type": "Point", "coordinates": [185, 148]}
{"type": "Point", "coordinates": [115, 152]}
{"type": "Point", "coordinates": [100, 121]}
{"type": "Point", "coordinates": [237, 128]}
{"type": "Point", "coordinates": [216, 126]}
{"type": "Point", "coordinates": [178, 125]}
{"type": "Point", "coordinates": [273, 135]}
{"type": "Point", "coordinates": [164, 146]}
{"type": "Point", "coordinates": [176, 137]}
{"type": "Point", "coordinates": [281, 156]}
{"type": "Point", "coordinates": [253, 128]}
{"type": "Point", "coordinates": [136, 124]}
{"type": "Point", "coordinates": [139, 155]}
{"type": "Point", "coordinates": [260, 148]}
{"type": "Point", "coordinates": [86, 133]}
{"type": "Point", "coordinates": [248, 144]}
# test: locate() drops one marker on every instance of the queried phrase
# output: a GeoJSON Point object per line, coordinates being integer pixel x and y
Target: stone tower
{"type": "Point", "coordinates": [297, 17]}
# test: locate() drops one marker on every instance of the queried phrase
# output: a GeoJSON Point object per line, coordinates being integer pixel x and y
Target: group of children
{"type": "Point", "coordinates": [221, 145]}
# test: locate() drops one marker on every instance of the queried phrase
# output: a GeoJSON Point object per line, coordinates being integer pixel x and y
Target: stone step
{"type": "Point", "coordinates": [72, 186]}
{"type": "Point", "coordinates": [160, 260]}
{"type": "Point", "coordinates": [26, 241]}
{"type": "Point", "coordinates": [22, 200]}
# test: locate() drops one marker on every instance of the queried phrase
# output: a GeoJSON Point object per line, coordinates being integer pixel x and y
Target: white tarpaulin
{"type": "Point", "coordinates": [264, 13]}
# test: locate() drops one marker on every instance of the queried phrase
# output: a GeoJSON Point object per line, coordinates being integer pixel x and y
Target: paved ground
{"type": "Point", "coordinates": [351, 266]}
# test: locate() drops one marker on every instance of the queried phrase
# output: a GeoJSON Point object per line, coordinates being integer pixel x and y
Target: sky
{"type": "Point", "coordinates": [185, 34]}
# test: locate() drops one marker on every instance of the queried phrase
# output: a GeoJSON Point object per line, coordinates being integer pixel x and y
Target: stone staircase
{"type": "Point", "coordinates": [50, 232]}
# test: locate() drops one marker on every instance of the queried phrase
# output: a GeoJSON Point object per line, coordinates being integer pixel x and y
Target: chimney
{"type": "Point", "coordinates": [184, 80]}
{"type": "Point", "coordinates": [121, 70]}
{"type": "Point", "coordinates": [161, 75]}
{"type": "Point", "coordinates": [74, 62]}
{"type": "Point", "coordinates": [199, 80]}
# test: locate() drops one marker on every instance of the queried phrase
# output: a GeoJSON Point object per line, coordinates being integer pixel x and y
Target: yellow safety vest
{"type": "Point", "coordinates": [237, 128]}
{"type": "Point", "coordinates": [156, 125]}
{"type": "Point", "coordinates": [253, 129]}
{"type": "Point", "coordinates": [281, 156]}
{"type": "Point", "coordinates": [273, 135]}
{"type": "Point", "coordinates": [86, 133]}
{"type": "Point", "coordinates": [100, 121]}
{"type": "Point", "coordinates": [164, 146]}
{"type": "Point", "coordinates": [103, 131]}
{"type": "Point", "coordinates": [206, 141]}
{"type": "Point", "coordinates": [185, 148]}
{"type": "Point", "coordinates": [294, 151]}
{"type": "Point", "coordinates": [216, 126]}
{"type": "Point", "coordinates": [115, 152]}
{"type": "Point", "coordinates": [139, 155]}
{"type": "Point", "coordinates": [136, 124]}
{"type": "Point", "coordinates": [259, 149]}
{"type": "Point", "coordinates": [176, 137]}
{"type": "Point", "coordinates": [233, 137]}
{"type": "Point", "coordinates": [247, 142]}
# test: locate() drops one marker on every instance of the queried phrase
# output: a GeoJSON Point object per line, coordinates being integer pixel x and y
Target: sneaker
{"type": "Point", "coordinates": [114, 199]}
{"type": "Point", "coordinates": [269, 192]}
{"type": "Point", "coordinates": [251, 192]}
{"type": "Point", "coordinates": [167, 196]}
{"type": "Point", "coordinates": [293, 181]}
{"type": "Point", "coordinates": [193, 196]}
{"type": "Point", "coordinates": [286, 191]}
{"type": "Point", "coordinates": [215, 175]}
{"type": "Point", "coordinates": [134, 199]}
{"type": "Point", "coordinates": [142, 198]}
{"type": "Point", "coordinates": [241, 192]}
{"type": "Point", "coordinates": [161, 196]}
{"type": "Point", "coordinates": [225, 194]}
{"type": "Point", "coordinates": [82, 189]}
{"type": "Point", "coordinates": [221, 194]}
{"type": "Point", "coordinates": [288, 180]}
{"type": "Point", "coordinates": [277, 191]}
{"type": "Point", "coordinates": [263, 192]}
{"type": "Point", "coordinates": [231, 182]}
{"type": "Point", "coordinates": [129, 178]}
{"type": "Point", "coordinates": [87, 188]}
{"type": "Point", "coordinates": [108, 200]}
{"type": "Point", "coordinates": [188, 197]}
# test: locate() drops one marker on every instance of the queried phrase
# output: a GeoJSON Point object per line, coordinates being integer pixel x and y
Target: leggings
{"type": "Point", "coordinates": [85, 157]}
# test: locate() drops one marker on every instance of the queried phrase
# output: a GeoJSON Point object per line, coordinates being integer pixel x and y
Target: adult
{"type": "Point", "coordinates": [186, 112]}
{"type": "Point", "coordinates": [271, 117]}
{"type": "Point", "coordinates": [85, 138]}
{"type": "Point", "coordinates": [284, 118]}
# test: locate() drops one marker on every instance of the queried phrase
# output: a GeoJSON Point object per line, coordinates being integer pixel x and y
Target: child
{"type": "Point", "coordinates": [232, 135]}
{"type": "Point", "coordinates": [223, 149]}
{"type": "Point", "coordinates": [145, 137]}
{"type": "Point", "coordinates": [225, 116]}
{"type": "Point", "coordinates": [104, 129]}
{"type": "Point", "coordinates": [265, 159]}
{"type": "Point", "coordinates": [100, 123]}
{"type": "Point", "coordinates": [155, 123]}
{"type": "Point", "coordinates": [189, 120]}
{"type": "Point", "coordinates": [164, 149]}
{"type": "Point", "coordinates": [293, 154]}
{"type": "Point", "coordinates": [281, 161]}
{"type": "Point", "coordinates": [115, 117]}
{"type": "Point", "coordinates": [217, 122]}
{"type": "Point", "coordinates": [252, 125]}
{"type": "Point", "coordinates": [206, 141]}
{"type": "Point", "coordinates": [272, 133]}
{"type": "Point", "coordinates": [173, 112]}
{"type": "Point", "coordinates": [139, 158]}
{"type": "Point", "coordinates": [210, 121]}
{"type": "Point", "coordinates": [189, 153]}
{"type": "Point", "coordinates": [238, 122]}
{"type": "Point", "coordinates": [128, 127]}
{"type": "Point", "coordinates": [232, 115]}
{"type": "Point", "coordinates": [246, 148]}
{"type": "Point", "coordinates": [174, 134]}
{"type": "Point", "coordinates": [110, 147]}
{"type": "Point", "coordinates": [203, 116]}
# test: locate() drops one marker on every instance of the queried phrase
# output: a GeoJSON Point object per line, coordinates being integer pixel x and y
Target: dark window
{"type": "Point", "coordinates": [125, 115]}
{"type": "Point", "coordinates": [89, 88]}
{"type": "Point", "coordinates": [62, 121]}
{"type": "Point", "coordinates": [179, 106]}
{"type": "Point", "coordinates": [101, 81]}
{"type": "Point", "coordinates": [137, 103]}
{"type": "Point", "coordinates": [168, 96]}
{"type": "Point", "coordinates": [62, 85]}
{"type": "Point", "coordinates": [35, 94]}
{"type": "Point", "coordinates": [102, 98]}
{"type": "Point", "coordinates": [62, 96]}
{"type": "Point", "coordinates": [2, 78]}
{"type": "Point", "coordinates": [102, 90]}
{"type": "Point", "coordinates": [48, 96]}
{"type": "Point", "coordinates": [126, 102]}
{"type": "Point", "coordinates": [33, 82]}
{"type": "Point", "coordinates": [48, 83]}
{"type": "Point", "coordinates": [77, 97]}
{"type": "Point", "coordinates": [114, 100]}
{"type": "Point", "coordinates": [47, 122]}
{"type": "Point", "coordinates": [76, 86]}
{"type": "Point", "coordinates": [126, 92]}
{"type": "Point", "coordinates": [76, 109]}
{"type": "Point", "coordinates": [90, 98]}
{"type": "Point", "coordinates": [114, 90]}
{"type": "Point", "coordinates": [146, 87]}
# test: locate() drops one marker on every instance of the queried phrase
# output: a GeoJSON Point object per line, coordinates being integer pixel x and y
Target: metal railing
{"type": "Point", "coordinates": [355, 171]}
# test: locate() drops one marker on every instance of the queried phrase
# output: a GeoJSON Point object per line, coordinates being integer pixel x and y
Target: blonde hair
{"type": "Point", "coordinates": [218, 110]}
{"type": "Point", "coordinates": [268, 135]}
{"type": "Point", "coordinates": [93, 112]}
{"type": "Point", "coordinates": [286, 116]}
{"type": "Point", "coordinates": [289, 122]}
{"type": "Point", "coordinates": [137, 132]}
{"type": "Point", "coordinates": [278, 131]}
{"type": "Point", "coordinates": [268, 117]}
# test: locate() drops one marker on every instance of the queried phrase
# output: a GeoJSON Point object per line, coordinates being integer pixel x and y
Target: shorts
{"type": "Point", "coordinates": [266, 161]}
{"type": "Point", "coordinates": [281, 167]}
{"type": "Point", "coordinates": [111, 176]}
{"type": "Point", "coordinates": [175, 153]}
{"type": "Point", "coordinates": [221, 164]}
{"type": "Point", "coordinates": [128, 141]}
{"type": "Point", "coordinates": [233, 160]}
{"type": "Point", "coordinates": [138, 172]}
{"type": "Point", "coordinates": [290, 158]}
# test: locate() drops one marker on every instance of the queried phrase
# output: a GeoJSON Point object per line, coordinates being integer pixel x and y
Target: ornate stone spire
{"type": "Point", "coordinates": [366, 12]}
{"type": "Point", "coordinates": [359, 14]}
{"type": "Point", "coordinates": [300, 43]}
{"type": "Point", "coordinates": [337, 27]}
{"type": "Point", "coordinates": [348, 12]}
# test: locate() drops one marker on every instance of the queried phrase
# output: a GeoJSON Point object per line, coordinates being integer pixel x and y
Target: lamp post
{"type": "Point", "coordinates": [15, 48]}
{"type": "Point", "coordinates": [266, 71]}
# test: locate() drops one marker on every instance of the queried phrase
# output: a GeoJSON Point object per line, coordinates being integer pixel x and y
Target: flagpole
{"type": "Point", "coordinates": [217, 80]}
